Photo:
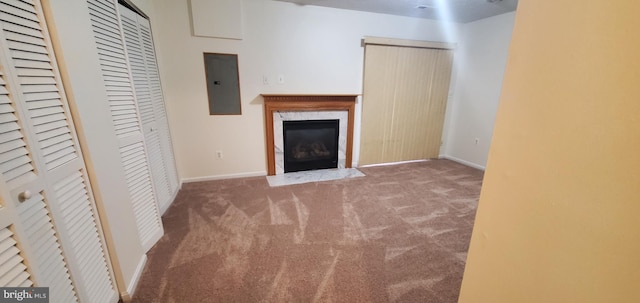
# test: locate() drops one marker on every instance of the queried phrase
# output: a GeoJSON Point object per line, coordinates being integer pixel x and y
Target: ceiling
{"type": "Point", "coordinates": [461, 11]}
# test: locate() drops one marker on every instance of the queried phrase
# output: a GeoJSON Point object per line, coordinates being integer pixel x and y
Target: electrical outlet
{"type": "Point", "coordinates": [219, 154]}
{"type": "Point", "coordinates": [265, 80]}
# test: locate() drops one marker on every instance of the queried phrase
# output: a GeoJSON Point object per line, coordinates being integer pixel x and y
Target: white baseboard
{"type": "Point", "coordinates": [126, 296]}
{"type": "Point", "coordinates": [394, 163]}
{"type": "Point", "coordinates": [464, 162]}
{"type": "Point", "coordinates": [222, 177]}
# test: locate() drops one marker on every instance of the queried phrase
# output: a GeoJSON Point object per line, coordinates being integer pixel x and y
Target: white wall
{"type": "Point", "coordinates": [479, 65]}
{"type": "Point", "coordinates": [317, 49]}
{"type": "Point", "coordinates": [146, 6]}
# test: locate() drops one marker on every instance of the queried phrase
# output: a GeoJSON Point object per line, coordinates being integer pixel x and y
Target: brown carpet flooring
{"type": "Point", "coordinates": [400, 234]}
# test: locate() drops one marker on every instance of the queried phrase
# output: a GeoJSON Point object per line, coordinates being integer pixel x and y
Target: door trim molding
{"type": "Point", "coordinates": [127, 296]}
{"type": "Point", "coordinates": [407, 43]}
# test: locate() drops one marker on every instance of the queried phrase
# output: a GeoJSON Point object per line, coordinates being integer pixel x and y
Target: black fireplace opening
{"type": "Point", "coordinates": [310, 144]}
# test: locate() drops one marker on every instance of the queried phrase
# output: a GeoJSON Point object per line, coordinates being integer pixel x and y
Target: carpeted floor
{"type": "Point", "coordinates": [399, 234]}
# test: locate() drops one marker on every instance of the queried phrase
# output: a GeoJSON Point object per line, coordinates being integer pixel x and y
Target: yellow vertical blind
{"type": "Point", "coordinates": [404, 101]}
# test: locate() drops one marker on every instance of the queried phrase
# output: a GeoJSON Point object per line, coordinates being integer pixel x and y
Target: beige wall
{"type": "Point", "coordinates": [480, 60]}
{"type": "Point", "coordinates": [317, 49]}
{"type": "Point", "coordinates": [558, 219]}
{"type": "Point", "coordinates": [145, 6]}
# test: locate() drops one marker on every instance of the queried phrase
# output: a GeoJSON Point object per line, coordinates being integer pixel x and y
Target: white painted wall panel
{"type": "Point", "coordinates": [217, 18]}
{"type": "Point", "coordinates": [479, 66]}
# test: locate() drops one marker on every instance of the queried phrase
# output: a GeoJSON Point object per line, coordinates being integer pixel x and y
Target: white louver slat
{"type": "Point", "coordinates": [43, 241]}
{"type": "Point", "coordinates": [60, 239]}
{"type": "Point", "coordinates": [29, 53]}
{"type": "Point", "coordinates": [13, 271]}
{"type": "Point", "coordinates": [159, 106]}
{"type": "Point", "coordinates": [77, 218]}
{"type": "Point", "coordinates": [125, 115]}
{"type": "Point", "coordinates": [141, 56]}
{"type": "Point", "coordinates": [15, 163]}
{"type": "Point", "coordinates": [138, 69]}
{"type": "Point", "coordinates": [139, 182]}
{"type": "Point", "coordinates": [156, 162]}
{"type": "Point", "coordinates": [136, 55]}
{"type": "Point", "coordinates": [114, 65]}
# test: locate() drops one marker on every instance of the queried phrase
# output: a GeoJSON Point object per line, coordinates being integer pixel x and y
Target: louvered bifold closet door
{"type": "Point", "coordinates": [44, 185]}
{"type": "Point", "coordinates": [126, 121]}
{"type": "Point", "coordinates": [146, 79]}
{"type": "Point", "coordinates": [16, 167]}
{"type": "Point", "coordinates": [158, 104]}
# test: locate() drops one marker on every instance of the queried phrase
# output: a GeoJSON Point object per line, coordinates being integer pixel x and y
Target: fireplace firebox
{"type": "Point", "coordinates": [310, 144]}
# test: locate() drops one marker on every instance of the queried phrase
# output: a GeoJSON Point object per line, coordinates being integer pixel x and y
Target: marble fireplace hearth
{"type": "Point", "coordinates": [279, 108]}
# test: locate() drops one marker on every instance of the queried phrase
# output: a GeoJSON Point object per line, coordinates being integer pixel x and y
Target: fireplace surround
{"type": "Point", "coordinates": [310, 144]}
{"type": "Point", "coordinates": [307, 107]}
